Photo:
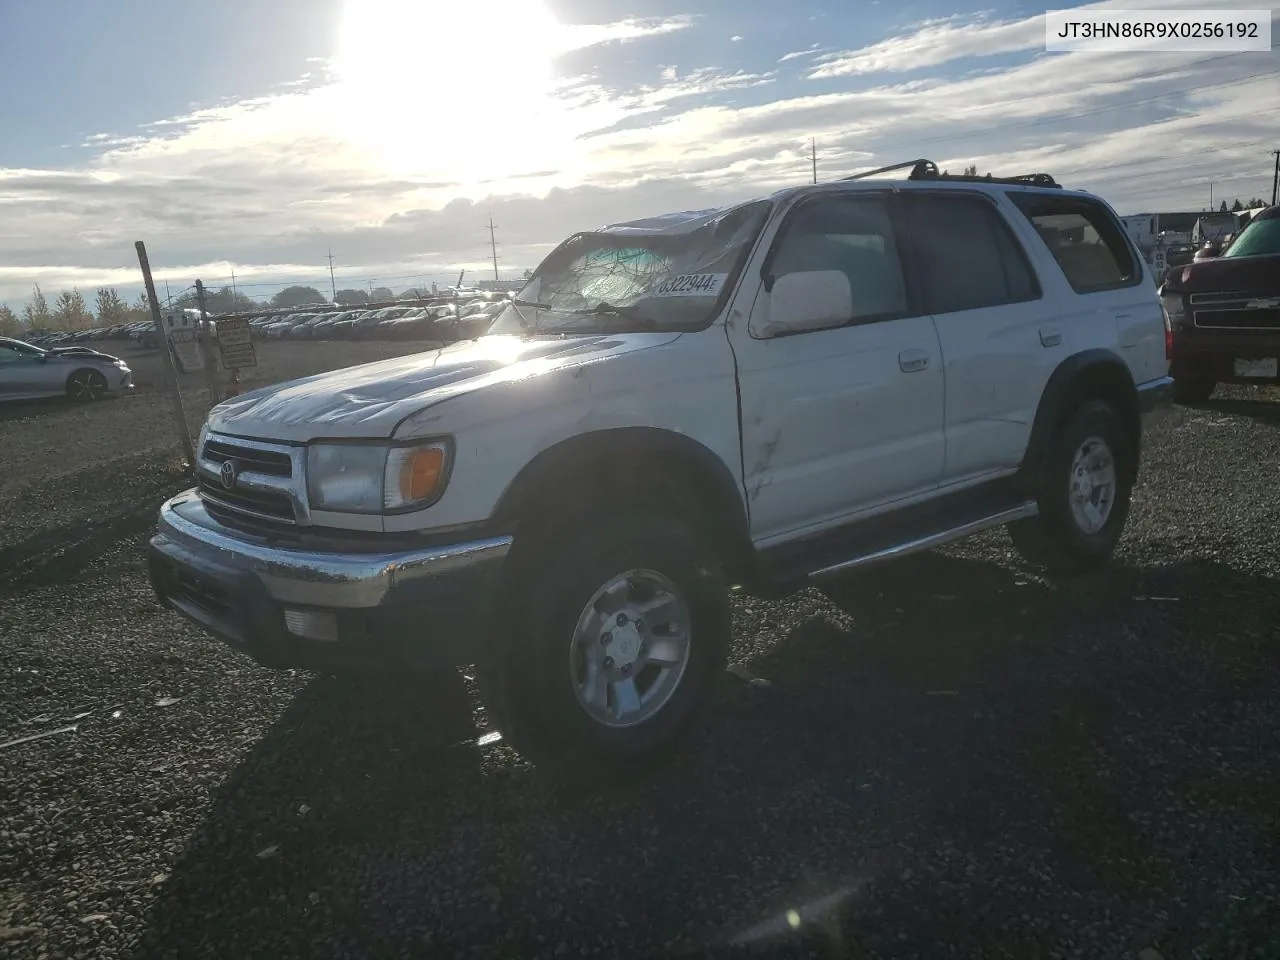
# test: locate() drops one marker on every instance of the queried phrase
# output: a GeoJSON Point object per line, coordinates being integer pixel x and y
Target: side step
{"type": "Point", "coordinates": [928, 541]}
{"type": "Point", "coordinates": [896, 534]}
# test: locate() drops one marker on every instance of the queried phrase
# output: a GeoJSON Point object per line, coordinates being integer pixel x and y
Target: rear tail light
{"type": "Point", "coordinates": [1168, 336]}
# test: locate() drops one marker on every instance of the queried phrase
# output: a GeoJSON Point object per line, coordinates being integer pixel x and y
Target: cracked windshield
{"type": "Point", "coordinates": [633, 279]}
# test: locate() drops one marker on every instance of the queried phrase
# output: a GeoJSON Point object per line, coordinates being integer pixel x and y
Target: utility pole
{"type": "Point", "coordinates": [234, 296]}
{"type": "Point", "coordinates": [813, 152]}
{"type": "Point", "coordinates": [168, 298]}
{"type": "Point", "coordinates": [493, 248]}
{"type": "Point", "coordinates": [175, 395]}
{"type": "Point", "coordinates": [1275, 179]}
{"type": "Point", "coordinates": [1211, 196]}
{"type": "Point", "coordinates": [333, 285]}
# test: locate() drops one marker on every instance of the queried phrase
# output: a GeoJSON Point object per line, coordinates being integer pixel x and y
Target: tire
{"type": "Point", "coordinates": [1192, 391]}
{"type": "Point", "coordinates": [86, 386]}
{"type": "Point", "coordinates": [555, 680]}
{"type": "Point", "coordinates": [1063, 537]}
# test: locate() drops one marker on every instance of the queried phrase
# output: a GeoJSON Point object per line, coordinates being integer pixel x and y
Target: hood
{"type": "Point", "coordinates": [372, 399]}
{"type": "Point", "coordinates": [1255, 275]}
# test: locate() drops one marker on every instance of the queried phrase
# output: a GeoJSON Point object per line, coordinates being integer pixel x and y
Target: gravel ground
{"type": "Point", "coordinates": [952, 757]}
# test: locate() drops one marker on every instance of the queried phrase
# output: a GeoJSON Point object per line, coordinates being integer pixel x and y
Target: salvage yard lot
{"type": "Point", "coordinates": [952, 756]}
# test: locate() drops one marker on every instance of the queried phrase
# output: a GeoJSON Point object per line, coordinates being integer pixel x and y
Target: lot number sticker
{"type": "Point", "coordinates": [691, 285]}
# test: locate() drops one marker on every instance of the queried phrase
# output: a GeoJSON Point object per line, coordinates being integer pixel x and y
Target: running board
{"type": "Point", "coordinates": [929, 541]}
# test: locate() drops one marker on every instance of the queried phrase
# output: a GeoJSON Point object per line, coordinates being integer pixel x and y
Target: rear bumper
{"type": "Point", "coordinates": [1155, 398]}
{"type": "Point", "coordinates": [379, 612]}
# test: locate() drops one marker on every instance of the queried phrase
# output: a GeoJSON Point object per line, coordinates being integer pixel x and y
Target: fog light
{"type": "Point", "coordinates": [312, 624]}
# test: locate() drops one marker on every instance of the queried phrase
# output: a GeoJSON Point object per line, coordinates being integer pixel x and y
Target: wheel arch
{"type": "Point", "coordinates": [636, 464]}
{"type": "Point", "coordinates": [1096, 374]}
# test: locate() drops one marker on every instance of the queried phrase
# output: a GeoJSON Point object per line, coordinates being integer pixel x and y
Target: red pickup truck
{"type": "Point", "coordinates": [1223, 314]}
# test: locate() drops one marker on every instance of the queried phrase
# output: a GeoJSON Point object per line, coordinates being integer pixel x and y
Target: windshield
{"type": "Point", "coordinates": [1258, 238]}
{"type": "Point", "coordinates": [641, 278]}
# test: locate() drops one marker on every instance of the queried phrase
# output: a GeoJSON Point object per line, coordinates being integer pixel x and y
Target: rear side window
{"type": "Point", "coordinates": [968, 257]}
{"type": "Point", "coordinates": [1084, 238]}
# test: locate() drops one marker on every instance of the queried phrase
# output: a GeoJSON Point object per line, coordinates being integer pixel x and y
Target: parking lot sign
{"type": "Point", "coordinates": [235, 344]}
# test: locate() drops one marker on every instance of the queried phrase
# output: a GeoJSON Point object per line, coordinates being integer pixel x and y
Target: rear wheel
{"type": "Point", "coordinates": [1083, 493]}
{"type": "Point", "coordinates": [86, 386]}
{"type": "Point", "coordinates": [1192, 391]}
{"type": "Point", "coordinates": [608, 647]}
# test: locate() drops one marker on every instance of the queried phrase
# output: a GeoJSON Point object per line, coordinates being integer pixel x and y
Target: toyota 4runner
{"type": "Point", "coordinates": [763, 396]}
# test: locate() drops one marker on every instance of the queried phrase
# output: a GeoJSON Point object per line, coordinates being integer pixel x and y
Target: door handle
{"type": "Point", "coordinates": [912, 361]}
{"type": "Point", "coordinates": [1050, 336]}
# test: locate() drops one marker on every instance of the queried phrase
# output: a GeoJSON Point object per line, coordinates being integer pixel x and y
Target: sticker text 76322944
{"type": "Point", "coordinates": [690, 285]}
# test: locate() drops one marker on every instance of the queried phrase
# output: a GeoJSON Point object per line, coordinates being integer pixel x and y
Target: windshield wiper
{"type": "Point", "coordinates": [604, 309]}
{"type": "Point", "coordinates": [531, 303]}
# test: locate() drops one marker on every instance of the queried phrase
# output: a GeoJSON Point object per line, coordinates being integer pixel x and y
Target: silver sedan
{"type": "Point", "coordinates": [27, 372]}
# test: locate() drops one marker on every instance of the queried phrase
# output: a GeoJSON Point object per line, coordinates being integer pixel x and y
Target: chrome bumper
{"type": "Point", "coordinates": [425, 605]}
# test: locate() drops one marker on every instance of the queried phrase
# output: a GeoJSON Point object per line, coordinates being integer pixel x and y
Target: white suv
{"type": "Point", "coordinates": [761, 396]}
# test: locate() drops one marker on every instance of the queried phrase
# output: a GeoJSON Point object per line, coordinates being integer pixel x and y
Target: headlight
{"type": "Point", "coordinates": [204, 434]}
{"type": "Point", "coordinates": [363, 478]}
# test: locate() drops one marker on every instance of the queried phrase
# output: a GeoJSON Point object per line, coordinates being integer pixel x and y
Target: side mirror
{"type": "Point", "coordinates": [808, 300]}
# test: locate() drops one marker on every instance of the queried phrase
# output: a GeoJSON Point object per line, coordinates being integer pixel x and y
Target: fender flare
{"type": "Point", "coordinates": [1089, 374]}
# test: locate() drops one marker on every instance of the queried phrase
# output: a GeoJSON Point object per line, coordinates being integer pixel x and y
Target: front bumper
{"type": "Point", "coordinates": [410, 609]}
{"type": "Point", "coordinates": [1197, 356]}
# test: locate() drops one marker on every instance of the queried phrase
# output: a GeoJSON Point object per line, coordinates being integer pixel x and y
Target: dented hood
{"type": "Point", "coordinates": [372, 399]}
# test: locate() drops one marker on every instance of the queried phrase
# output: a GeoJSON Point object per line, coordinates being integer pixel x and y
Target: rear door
{"type": "Point", "coordinates": [1110, 292]}
{"type": "Point", "coordinates": [1001, 336]}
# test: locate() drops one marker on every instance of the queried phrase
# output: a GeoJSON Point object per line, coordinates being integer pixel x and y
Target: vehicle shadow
{"type": "Point", "coordinates": [1263, 409]}
{"type": "Point", "coordinates": [930, 737]}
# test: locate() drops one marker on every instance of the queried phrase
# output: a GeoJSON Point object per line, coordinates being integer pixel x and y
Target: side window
{"type": "Point", "coordinates": [8, 354]}
{"type": "Point", "coordinates": [1084, 238]}
{"type": "Point", "coordinates": [855, 236]}
{"type": "Point", "coordinates": [968, 257]}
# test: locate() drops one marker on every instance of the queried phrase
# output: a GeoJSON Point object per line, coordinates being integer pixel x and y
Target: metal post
{"type": "Point", "coordinates": [206, 347]}
{"type": "Point", "coordinates": [175, 394]}
{"type": "Point", "coordinates": [1275, 179]}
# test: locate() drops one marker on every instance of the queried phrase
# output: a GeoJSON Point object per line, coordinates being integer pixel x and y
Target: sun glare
{"type": "Point", "coordinates": [462, 89]}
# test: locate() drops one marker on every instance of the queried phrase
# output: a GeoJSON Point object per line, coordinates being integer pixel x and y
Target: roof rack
{"type": "Point", "coordinates": [928, 170]}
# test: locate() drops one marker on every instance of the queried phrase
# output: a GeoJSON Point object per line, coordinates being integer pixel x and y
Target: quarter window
{"type": "Point", "coordinates": [1084, 238]}
{"type": "Point", "coordinates": [855, 236]}
{"type": "Point", "coordinates": [968, 258]}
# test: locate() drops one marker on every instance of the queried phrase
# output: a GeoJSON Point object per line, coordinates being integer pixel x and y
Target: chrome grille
{"type": "Point", "coordinates": [266, 479]}
{"type": "Point", "coordinates": [1236, 311]}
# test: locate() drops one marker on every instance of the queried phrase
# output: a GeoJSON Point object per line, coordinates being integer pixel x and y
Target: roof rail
{"type": "Point", "coordinates": [928, 170]}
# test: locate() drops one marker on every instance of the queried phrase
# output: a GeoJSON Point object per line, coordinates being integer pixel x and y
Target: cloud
{"type": "Point", "coordinates": [268, 184]}
{"type": "Point", "coordinates": [938, 41]}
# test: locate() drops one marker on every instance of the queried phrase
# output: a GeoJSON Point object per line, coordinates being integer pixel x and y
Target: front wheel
{"type": "Point", "coordinates": [1083, 493]}
{"type": "Point", "coordinates": [609, 646]}
{"type": "Point", "coordinates": [86, 386]}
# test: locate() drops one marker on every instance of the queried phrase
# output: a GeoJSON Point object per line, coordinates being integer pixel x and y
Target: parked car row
{"type": "Point", "coordinates": [441, 319]}
{"type": "Point", "coordinates": [139, 331]}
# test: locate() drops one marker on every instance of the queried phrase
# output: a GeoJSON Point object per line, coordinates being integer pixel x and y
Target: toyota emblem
{"type": "Point", "coordinates": [228, 474]}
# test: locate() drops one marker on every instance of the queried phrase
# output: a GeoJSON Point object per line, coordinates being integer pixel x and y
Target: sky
{"type": "Point", "coordinates": [255, 138]}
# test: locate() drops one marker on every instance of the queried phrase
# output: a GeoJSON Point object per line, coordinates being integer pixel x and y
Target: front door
{"type": "Point", "coordinates": [836, 421]}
